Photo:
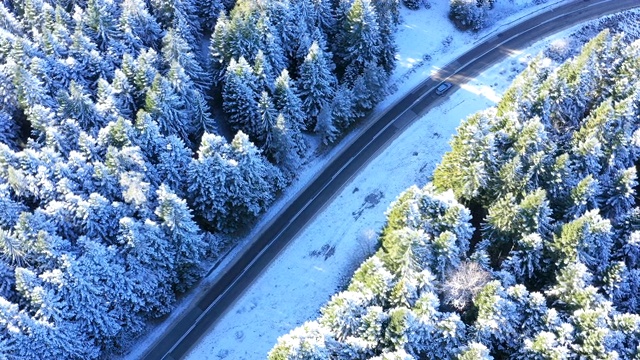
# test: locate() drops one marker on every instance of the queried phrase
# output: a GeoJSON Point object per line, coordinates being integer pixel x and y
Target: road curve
{"type": "Point", "coordinates": [206, 310]}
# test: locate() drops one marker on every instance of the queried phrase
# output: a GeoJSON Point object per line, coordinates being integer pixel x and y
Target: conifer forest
{"type": "Point", "coordinates": [139, 138]}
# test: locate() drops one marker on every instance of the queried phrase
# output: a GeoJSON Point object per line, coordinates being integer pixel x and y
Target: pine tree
{"type": "Point", "coordinates": [218, 49]}
{"type": "Point", "coordinates": [173, 165]}
{"type": "Point", "coordinates": [148, 258]}
{"type": "Point", "coordinates": [359, 40]}
{"type": "Point", "coordinates": [343, 313]}
{"type": "Point", "coordinates": [343, 109]}
{"type": "Point", "coordinates": [244, 38]}
{"type": "Point", "coordinates": [325, 126]}
{"type": "Point", "coordinates": [283, 149]}
{"type": "Point", "coordinates": [8, 130]}
{"type": "Point", "coordinates": [196, 106]}
{"type": "Point", "coordinates": [498, 319]}
{"type": "Point", "coordinates": [369, 88]}
{"type": "Point", "coordinates": [208, 12]}
{"type": "Point", "coordinates": [619, 194]}
{"type": "Point", "coordinates": [316, 84]}
{"type": "Point", "coordinates": [167, 108]}
{"type": "Point", "coordinates": [256, 183]}
{"type": "Point", "coordinates": [263, 126]}
{"type": "Point", "coordinates": [77, 105]}
{"type": "Point", "coordinates": [176, 48]}
{"type": "Point", "coordinates": [471, 14]}
{"type": "Point", "coordinates": [207, 177]}
{"type": "Point", "coordinates": [288, 103]}
{"type": "Point", "coordinates": [586, 239]}
{"type": "Point", "coordinates": [183, 233]}
{"type": "Point", "coordinates": [475, 350]}
{"type": "Point", "coordinates": [309, 342]}
{"type": "Point", "coordinates": [100, 217]}
{"type": "Point", "coordinates": [182, 14]}
{"type": "Point", "coordinates": [271, 49]}
{"type": "Point", "coordinates": [388, 14]}
{"type": "Point", "coordinates": [101, 23]}
{"type": "Point", "coordinates": [136, 20]}
{"type": "Point", "coordinates": [241, 96]}
{"type": "Point", "coordinates": [467, 168]}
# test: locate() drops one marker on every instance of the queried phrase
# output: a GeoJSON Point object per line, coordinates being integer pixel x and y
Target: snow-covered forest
{"type": "Point", "coordinates": [116, 181]}
{"type": "Point", "coordinates": [524, 245]}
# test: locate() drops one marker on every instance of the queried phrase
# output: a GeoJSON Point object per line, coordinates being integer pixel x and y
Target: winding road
{"type": "Point", "coordinates": [205, 311]}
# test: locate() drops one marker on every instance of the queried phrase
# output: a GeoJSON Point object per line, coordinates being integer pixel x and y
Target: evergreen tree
{"type": "Point", "coordinates": [310, 342]}
{"type": "Point", "coordinates": [173, 165]}
{"type": "Point", "coordinates": [256, 184]}
{"type": "Point", "coordinates": [183, 233]}
{"type": "Point", "coordinates": [470, 14]}
{"type": "Point", "coordinates": [199, 117]}
{"type": "Point", "coordinates": [167, 108]}
{"type": "Point", "coordinates": [218, 49]}
{"type": "Point", "coordinates": [266, 122]}
{"type": "Point", "coordinates": [359, 39]}
{"type": "Point", "coordinates": [136, 21]}
{"type": "Point", "coordinates": [316, 84]}
{"type": "Point", "coordinates": [100, 23]}
{"type": "Point", "coordinates": [176, 48]}
{"type": "Point", "coordinates": [207, 178]}
{"type": "Point", "coordinates": [208, 12]}
{"type": "Point", "coordinates": [343, 109]}
{"type": "Point", "coordinates": [288, 103]}
{"type": "Point", "coordinates": [77, 105]}
{"type": "Point", "coordinates": [325, 126]}
{"type": "Point", "coordinates": [283, 149]}
{"type": "Point", "coordinates": [241, 96]}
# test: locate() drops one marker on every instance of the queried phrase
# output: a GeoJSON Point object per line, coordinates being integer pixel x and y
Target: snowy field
{"type": "Point", "coordinates": [323, 256]}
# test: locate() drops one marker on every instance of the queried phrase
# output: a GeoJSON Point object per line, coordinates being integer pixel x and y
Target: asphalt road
{"type": "Point", "coordinates": [183, 334]}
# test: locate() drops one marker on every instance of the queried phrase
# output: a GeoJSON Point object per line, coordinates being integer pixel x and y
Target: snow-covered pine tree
{"type": "Point", "coordinates": [288, 103]}
{"type": "Point", "coordinates": [167, 108]}
{"type": "Point", "coordinates": [136, 21]}
{"type": "Point", "coordinates": [199, 118]}
{"type": "Point", "coordinates": [358, 39]}
{"type": "Point", "coordinates": [316, 84]}
{"type": "Point", "coordinates": [184, 235]}
{"type": "Point", "coordinates": [208, 11]}
{"type": "Point", "coordinates": [257, 182]}
{"type": "Point", "coordinates": [469, 14]}
{"type": "Point", "coordinates": [283, 150]}
{"type": "Point", "coordinates": [263, 126]}
{"type": "Point", "coordinates": [176, 48]}
{"type": "Point", "coordinates": [207, 190]}
{"type": "Point", "coordinates": [101, 23]}
{"type": "Point", "coordinates": [218, 49]}
{"type": "Point", "coordinates": [241, 96]}
{"type": "Point", "coordinates": [173, 165]}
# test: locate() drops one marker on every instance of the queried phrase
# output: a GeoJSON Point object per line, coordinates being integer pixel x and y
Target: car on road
{"type": "Point", "coordinates": [442, 88]}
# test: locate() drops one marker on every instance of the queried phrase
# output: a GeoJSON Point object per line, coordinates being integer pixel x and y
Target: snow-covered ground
{"type": "Point", "coordinates": [323, 256]}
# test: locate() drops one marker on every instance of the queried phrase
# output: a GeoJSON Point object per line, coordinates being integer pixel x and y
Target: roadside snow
{"type": "Point", "coordinates": [323, 256]}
